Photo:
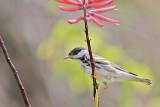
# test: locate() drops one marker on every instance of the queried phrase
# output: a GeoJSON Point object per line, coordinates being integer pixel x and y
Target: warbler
{"type": "Point", "coordinates": [105, 71]}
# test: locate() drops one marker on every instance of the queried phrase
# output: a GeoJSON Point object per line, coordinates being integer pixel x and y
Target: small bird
{"type": "Point", "coordinates": [105, 71]}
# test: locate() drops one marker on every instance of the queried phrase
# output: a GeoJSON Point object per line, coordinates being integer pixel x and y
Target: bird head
{"type": "Point", "coordinates": [76, 53]}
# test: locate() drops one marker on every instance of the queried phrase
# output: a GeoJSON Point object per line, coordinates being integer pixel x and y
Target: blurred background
{"type": "Point", "coordinates": [38, 37]}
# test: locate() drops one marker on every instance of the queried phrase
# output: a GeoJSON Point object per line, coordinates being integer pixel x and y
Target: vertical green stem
{"type": "Point", "coordinates": [95, 86]}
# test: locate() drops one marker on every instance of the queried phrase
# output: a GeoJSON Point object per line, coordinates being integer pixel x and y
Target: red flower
{"type": "Point", "coordinates": [96, 5]}
{"type": "Point", "coordinates": [95, 0]}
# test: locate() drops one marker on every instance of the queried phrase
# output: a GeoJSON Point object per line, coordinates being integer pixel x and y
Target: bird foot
{"type": "Point", "coordinates": [102, 90]}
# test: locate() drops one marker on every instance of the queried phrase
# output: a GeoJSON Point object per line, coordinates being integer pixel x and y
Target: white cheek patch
{"type": "Point", "coordinates": [81, 53]}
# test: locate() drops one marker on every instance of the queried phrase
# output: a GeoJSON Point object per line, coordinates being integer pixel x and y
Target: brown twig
{"type": "Point", "coordinates": [95, 86]}
{"type": "Point", "coordinates": [15, 72]}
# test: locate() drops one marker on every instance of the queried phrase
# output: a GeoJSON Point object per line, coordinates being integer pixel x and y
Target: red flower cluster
{"type": "Point", "coordinates": [96, 6]}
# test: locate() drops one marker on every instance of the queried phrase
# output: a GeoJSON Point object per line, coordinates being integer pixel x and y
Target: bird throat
{"type": "Point", "coordinates": [85, 60]}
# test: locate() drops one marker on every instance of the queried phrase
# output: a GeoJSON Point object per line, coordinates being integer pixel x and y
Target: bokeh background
{"type": "Point", "coordinates": [38, 37]}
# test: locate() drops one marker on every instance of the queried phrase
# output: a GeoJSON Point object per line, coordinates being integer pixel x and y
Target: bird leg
{"type": "Point", "coordinates": [103, 89]}
{"type": "Point", "coordinates": [105, 84]}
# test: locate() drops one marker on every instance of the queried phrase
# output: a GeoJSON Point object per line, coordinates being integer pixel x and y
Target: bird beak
{"type": "Point", "coordinates": [67, 57]}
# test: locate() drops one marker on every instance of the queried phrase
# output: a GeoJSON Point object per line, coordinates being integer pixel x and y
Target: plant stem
{"type": "Point", "coordinates": [95, 86]}
{"type": "Point", "coordinates": [15, 72]}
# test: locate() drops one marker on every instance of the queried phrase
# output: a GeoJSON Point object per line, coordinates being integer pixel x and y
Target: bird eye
{"type": "Point", "coordinates": [76, 53]}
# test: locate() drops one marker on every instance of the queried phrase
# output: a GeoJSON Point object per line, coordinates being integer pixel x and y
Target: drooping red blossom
{"type": "Point", "coordinates": [95, 0]}
{"type": "Point", "coordinates": [95, 6]}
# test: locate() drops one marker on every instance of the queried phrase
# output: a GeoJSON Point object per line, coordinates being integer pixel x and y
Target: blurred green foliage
{"type": "Point", "coordinates": [65, 37]}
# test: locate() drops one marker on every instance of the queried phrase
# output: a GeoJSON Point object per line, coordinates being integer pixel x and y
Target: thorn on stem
{"type": "Point", "coordinates": [97, 85]}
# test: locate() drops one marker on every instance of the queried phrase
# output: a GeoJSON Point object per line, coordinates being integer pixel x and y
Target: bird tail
{"type": "Point", "coordinates": [143, 80]}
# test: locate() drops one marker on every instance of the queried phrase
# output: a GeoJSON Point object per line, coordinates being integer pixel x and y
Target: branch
{"type": "Point", "coordinates": [15, 72]}
{"type": "Point", "coordinates": [95, 86]}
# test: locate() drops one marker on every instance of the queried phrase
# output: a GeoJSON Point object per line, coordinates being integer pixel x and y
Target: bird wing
{"type": "Point", "coordinates": [121, 69]}
{"type": "Point", "coordinates": [109, 66]}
